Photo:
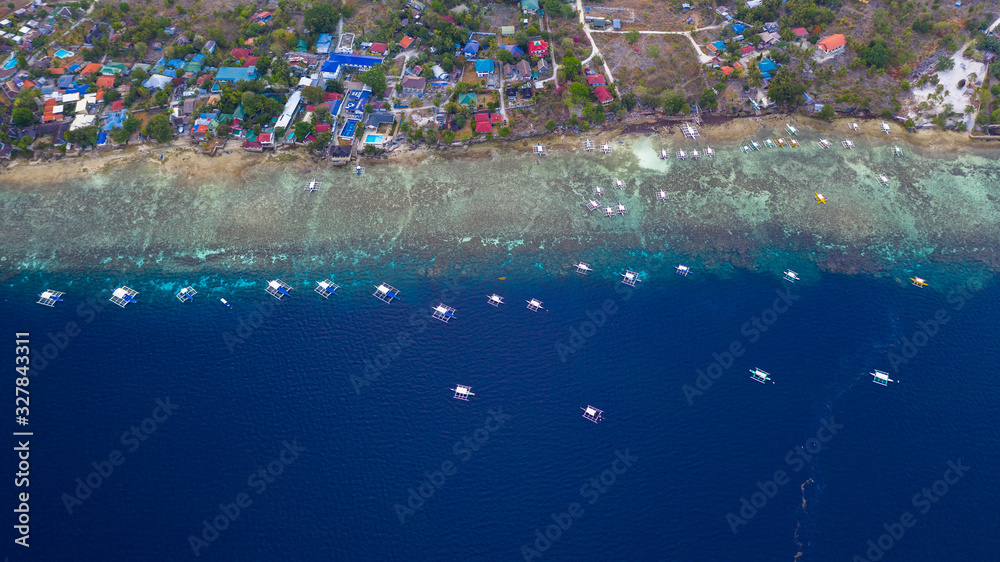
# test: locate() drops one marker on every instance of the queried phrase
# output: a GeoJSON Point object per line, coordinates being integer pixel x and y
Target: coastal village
{"type": "Point", "coordinates": [357, 78]}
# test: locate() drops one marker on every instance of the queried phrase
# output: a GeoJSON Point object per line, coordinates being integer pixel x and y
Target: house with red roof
{"type": "Point", "coordinates": [240, 53]}
{"type": "Point", "coordinates": [379, 48]}
{"type": "Point", "coordinates": [538, 47]}
{"type": "Point", "coordinates": [251, 61]}
{"type": "Point", "coordinates": [800, 32]}
{"type": "Point", "coordinates": [406, 41]}
{"type": "Point", "coordinates": [603, 95]}
{"type": "Point", "coordinates": [266, 139]}
{"type": "Point", "coordinates": [832, 44]}
{"type": "Point", "coordinates": [117, 105]}
{"type": "Point", "coordinates": [746, 50]}
{"type": "Point", "coordinates": [483, 122]}
{"type": "Point", "coordinates": [106, 81]}
{"type": "Point", "coordinates": [323, 128]}
{"type": "Point", "coordinates": [596, 80]}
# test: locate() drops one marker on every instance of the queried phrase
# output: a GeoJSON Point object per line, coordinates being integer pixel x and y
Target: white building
{"type": "Point", "coordinates": [291, 108]}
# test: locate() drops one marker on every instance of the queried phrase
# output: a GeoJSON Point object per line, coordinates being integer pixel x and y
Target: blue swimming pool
{"type": "Point", "coordinates": [63, 53]}
{"type": "Point", "coordinates": [374, 139]}
{"type": "Point", "coordinates": [10, 64]}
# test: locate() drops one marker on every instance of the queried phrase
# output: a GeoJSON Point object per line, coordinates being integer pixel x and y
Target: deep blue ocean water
{"type": "Point", "coordinates": [298, 375]}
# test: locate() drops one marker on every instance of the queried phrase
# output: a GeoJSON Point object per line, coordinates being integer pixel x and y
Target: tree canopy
{"type": "Point", "coordinates": [159, 128]}
{"type": "Point", "coordinates": [321, 18]}
{"type": "Point", "coordinates": [375, 79]}
{"type": "Point", "coordinates": [875, 54]}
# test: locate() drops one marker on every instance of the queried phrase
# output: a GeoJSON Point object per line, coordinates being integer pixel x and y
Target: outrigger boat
{"type": "Point", "coordinates": [848, 144]}
{"type": "Point", "coordinates": [619, 184]}
{"type": "Point", "coordinates": [897, 151]}
{"type": "Point", "coordinates": [746, 149]}
{"type": "Point", "coordinates": [820, 198]}
{"type": "Point", "coordinates": [881, 377]}
{"type": "Point", "coordinates": [760, 376]}
{"type": "Point", "coordinates": [793, 142]}
{"type": "Point", "coordinates": [695, 154]}
{"type": "Point", "coordinates": [882, 179]}
{"type": "Point", "coordinates": [710, 152]}
{"type": "Point", "coordinates": [769, 143]}
{"type": "Point", "coordinates": [755, 145]}
{"type": "Point", "coordinates": [791, 276]}
{"type": "Point", "coordinates": [823, 143]}
{"type": "Point", "coordinates": [791, 130]}
{"type": "Point", "coordinates": [781, 142]}
{"type": "Point", "coordinates": [918, 282]}
{"type": "Point", "coordinates": [681, 155]}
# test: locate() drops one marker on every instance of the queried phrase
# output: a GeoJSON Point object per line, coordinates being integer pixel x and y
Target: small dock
{"type": "Point", "coordinates": [50, 298]}
{"type": "Point", "coordinates": [123, 295]}
{"type": "Point", "coordinates": [325, 288]}
{"type": "Point", "coordinates": [462, 392]}
{"type": "Point", "coordinates": [760, 376]}
{"type": "Point", "coordinates": [881, 377]}
{"type": "Point", "coordinates": [186, 294]}
{"type": "Point", "coordinates": [278, 289]}
{"type": "Point", "coordinates": [630, 278]}
{"type": "Point", "coordinates": [443, 312]}
{"type": "Point", "coordinates": [593, 414]}
{"type": "Point", "coordinates": [386, 293]}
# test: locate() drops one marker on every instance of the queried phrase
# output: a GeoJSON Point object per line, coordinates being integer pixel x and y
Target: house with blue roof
{"type": "Point", "coordinates": [335, 65]}
{"type": "Point", "coordinates": [324, 44]}
{"type": "Point", "coordinates": [515, 50]}
{"type": "Point", "coordinates": [236, 73]}
{"type": "Point", "coordinates": [738, 28]}
{"type": "Point", "coordinates": [485, 67]}
{"type": "Point", "coordinates": [720, 45]}
{"type": "Point", "coordinates": [767, 68]}
{"type": "Point", "coordinates": [471, 49]}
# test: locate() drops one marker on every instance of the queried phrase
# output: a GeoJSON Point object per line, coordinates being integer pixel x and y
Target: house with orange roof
{"type": "Point", "coordinates": [727, 70]}
{"type": "Point", "coordinates": [90, 69]}
{"type": "Point", "coordinates": [406, 41]}
{"type": "Point", "coordinates": [832, 44]}
{"type": "Point", "coordinates": [106, 81]}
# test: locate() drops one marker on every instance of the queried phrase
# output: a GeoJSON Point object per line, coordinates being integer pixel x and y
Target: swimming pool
{"type": "Point", "coordinates": [10, 64]}
{"type": "Point", "coordinates": [373, 139]}
{"type": "Point", "coordinates": [63, 53]}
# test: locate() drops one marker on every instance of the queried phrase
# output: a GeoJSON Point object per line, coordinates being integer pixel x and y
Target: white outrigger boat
{"type": "Point", "coordinates": [769, 143]}
{"type": "Point", "coordinates": [760, 376]}
{"type": "Point", "coordinates": [746, 149]}
{"type": "Point", "coordinates": [755, 145]}
{"type": "Point", "coordinates": [823, 143]}
{"type": "Point", "coordinates": [881, 377]}
{"type": "Point", "coordinates": [619, 184]}
{"type": "Point", "coordinates": [848, 144]}
{"type": "Point", "coordinates": [664, 154]}
{"type": "Point", "coordinates": [791, 276]}
{"type": "Point", "coordinates": [661, 195]}
{"type": "Point", "coordinates": [710, 152]}
{"type": "Point", "coordinates": [791, 130]}
{"type": "Point", "coordinates": [885, 128]}
{"type": "Point", "coordinates": [681, 155]}
{"type": "Point", "coordinates": [896, 151]}
{"type": "Point", "coordinates": [695, 154]}
{"type": "Point", "coordinates": [882, 179]}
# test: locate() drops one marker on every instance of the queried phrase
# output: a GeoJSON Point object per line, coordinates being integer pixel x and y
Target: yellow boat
{"type": "Point", "coordinates": [820, 198]}
{"type": "Point", "coordinates": [794, 143]}
{"type": "Point", "coordinates": [918, 282]}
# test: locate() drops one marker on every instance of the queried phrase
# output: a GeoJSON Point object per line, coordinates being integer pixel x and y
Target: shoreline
{"type": "Point", "coordinates": [186, 162]}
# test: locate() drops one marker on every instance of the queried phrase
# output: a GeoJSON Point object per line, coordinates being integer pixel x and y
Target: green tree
{"type": "Point", "coordinates": [22, 63]}
{"type": "Point", "coordinates": [504, 132]}
{"type": "Point", "coordinates": [505, 56]}
{"type": "Point", "coordinates": [23, 117]}
{"type": "Point", "coordinates": [131, 124]}
{"type": "Point", "coordinates": [631, 36]}
{"type": "Point", "coordinates": [572, 67]}
{"type": "Point", "coordinates": [672, 102]}
{"type": "Point", "coordinates": [84, 136]}
{"type": "Point", "coordinates": [161, 97]}
{"type": "Point", "coordinates": [159, 128]}
{"type": "Point", "coordinates": [111, 96]}
{"type": "Point", "coordinates": [375, 79]}
{"type": "Point", "coordinates": [321, 142]}
{"type": "Point", "coordinates": [321, 18]}
{"type": "Point", "coordinates": [827, 112]}
{"type": "Point", "coordinates": [334, 86]}
{"type": "Point", "coordinates": [448, 136]}
{"type": "Point", "coordinates": [875, 54]}
{"type": "Point", "coordinates": [120, 136]}
{"type": "Point", "coordinates": [302, 130]}
{"type": "Point", "coordinates": [708, 99]}
{"type": "Point", "coordinates": [945, 63]}
{"type": "Point", "coordinates": [550, 125]}
{"type": "Point", "coordinates": [629, 100]}
{"type": "Point", "coordinates": [787, 89]}
{"type": "Point", "coordinates": [314, 95]}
